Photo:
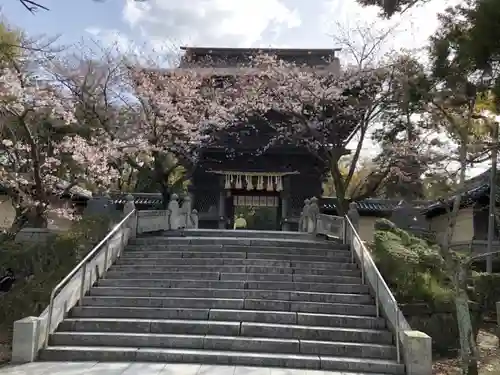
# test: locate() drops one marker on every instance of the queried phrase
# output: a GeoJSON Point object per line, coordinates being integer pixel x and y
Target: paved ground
{"type": "Point", "coordinates": [97, 368]}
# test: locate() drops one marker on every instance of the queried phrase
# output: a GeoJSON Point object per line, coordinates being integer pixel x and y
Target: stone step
{"type": "Point", "coordinates": [234, 284]}
{"type": "Point", "coordinates": [133, 274]}
{"type": "Point", "coordinates": [296, 277]}
{"type": "Point", "coordinates": [313, 362]}
{"type": "Point", "coordinates": [239, 233]}
{"type": "Point", "coordinates": [232, 304]}
{"type": "Point", "coordinates": [333, 257]}
{"type": "Point", "coordinates": [278, 317]}
{"type": "Point", "coordinates": [335, 249]}
{"type": "Point", "coordinates": [240, 241]}
{"type": "Point", "coordinates": [224, 343]}
{"type": "Point", "coordinates": [236, 269]}
{"type": "Point", "coordinates": [281, 295]}
{"type": "Point", "coordinates": [224, 328]}
{"type": "Point", "coordinates": [236, 262]}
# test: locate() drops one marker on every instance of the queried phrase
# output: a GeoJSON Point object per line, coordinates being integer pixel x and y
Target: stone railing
{"type": "Point", "coordinates": [312, 221]}
{"type": "Point", "coordinates": [32, 333]}
{"type": "Point", "coordinates": [177, 216]}
{"type": "Point", "coordinates": [309, 215]}
{"type": "Point", "coordinates": [414, 348]}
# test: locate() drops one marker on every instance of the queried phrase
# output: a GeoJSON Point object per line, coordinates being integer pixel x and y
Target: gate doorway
{"type": "Point", "coordinates": [261, 212]}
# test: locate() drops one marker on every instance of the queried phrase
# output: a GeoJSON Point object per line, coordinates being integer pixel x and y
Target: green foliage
{"type": "Point", "coordinates": [390, 7]}
{"type": "Point", "coordinates": [411, 267]}
{"type": "Point", "coordinates": [39, 267]}
{"type": "Point", "coordinates": [468, 43]}
{"type": "Point", "coordinates": [486, 290]}
{"type": "Point", "coordinates": [438, 185]}
{"type": "Point", "coordinates": [9, 43]}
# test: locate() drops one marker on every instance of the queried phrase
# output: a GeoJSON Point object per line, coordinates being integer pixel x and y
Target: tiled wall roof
{"type": "Point", "coordinates": [371, 205]}
{"type": "Point", "coordinates": [474, 189]}
{"type": "Point", "coordinates": [139, 198]}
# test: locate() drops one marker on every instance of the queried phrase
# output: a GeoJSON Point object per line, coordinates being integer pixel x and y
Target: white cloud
{"type": "Point", "coordinates": [412, 29]}
{"type": "Point", "coordinates": [210, 22]}
{"type": "Point", "coordinates": [112, 38]}
{"type": "Point", "coordinates": [146, 52]}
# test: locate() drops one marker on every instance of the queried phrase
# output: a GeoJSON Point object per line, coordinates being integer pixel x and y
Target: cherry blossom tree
{"type": "Point", "coordinates": [156, 120]}
{"type": "Point", "coordinates": [320, 109]}
{"type": "Point", "coordinates": [176, 113]}
{"type": "Point", "coordinates": [42, 146]}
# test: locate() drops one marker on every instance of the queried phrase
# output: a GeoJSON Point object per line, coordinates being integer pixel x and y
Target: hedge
{"type": "Point", "coordinates": [38, 268]}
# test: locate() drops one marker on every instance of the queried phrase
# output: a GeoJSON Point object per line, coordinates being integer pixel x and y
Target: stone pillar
{"type": "Point", "coordinates": [25, 339]}
{"type": "Point", "coordinates": [194, 219]}
{"type": "Point", "coordinates": [222, 205]}
{"type": "Point", "coordinates": [127, 208]}
{"type": "Point", "coordinates": [173, 207]}
{"type": "Point", "coordinates": [313, 215]}
{"type": "Point", "coordinates": [417, 352]}
{"type": "Point", "coordinates": [353, 215]}
{"type": "Point", "coordinates": [185, 213]}
{"type": "Point", "coordinates": [304, 216]}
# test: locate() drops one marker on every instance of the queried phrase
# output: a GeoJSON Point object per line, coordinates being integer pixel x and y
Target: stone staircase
{"type": "Point", "coordinates": [278, 299]}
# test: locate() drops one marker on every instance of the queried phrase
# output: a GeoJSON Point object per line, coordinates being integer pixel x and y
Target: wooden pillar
{"type": "Point", "coordinates": [285, 194]}
{"type": "Point", "coordinates": [222, 204]}
{"type": "Point", "coordinates": [284, 210]}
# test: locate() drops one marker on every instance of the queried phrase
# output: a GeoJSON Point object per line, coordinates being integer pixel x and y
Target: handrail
{"type": "Point", "coordinates": [400, 323]}
{"type": "Point", "coordinates": [78, 267]}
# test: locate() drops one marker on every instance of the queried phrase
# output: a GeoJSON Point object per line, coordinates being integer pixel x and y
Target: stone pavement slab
{"type": "Point", "coordinates": [122, 368]}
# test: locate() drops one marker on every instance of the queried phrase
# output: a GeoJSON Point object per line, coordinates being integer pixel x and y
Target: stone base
{"type": "Point", "coordinates": [417, 352]}
{"type": "Point", "coordinates": [439, 322]}
{"type": "Point", "coordinates": [25, 340]}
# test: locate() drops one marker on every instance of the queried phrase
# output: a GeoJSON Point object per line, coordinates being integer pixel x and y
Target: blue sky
{"type": "Point", "coordinates": [69, 18]}
{"type": "Point", "coordinates": [150, 26]}
{"type": "Point", "coordinates": [230, 23]}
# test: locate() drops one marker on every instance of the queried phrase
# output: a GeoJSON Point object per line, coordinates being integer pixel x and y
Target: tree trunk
{"type": "Point", "coordinates": [340, 188]}
{"type": "Point", "coordinates": [29, 217]}
{"type": "Point", "coordinates": [468, 351]}
{"type": "Point", "coordinates": [457, 272]}
{"type": "Point", "coordinates": [342, 205]}
{"type": "Point", "coordinates": [19, 222]}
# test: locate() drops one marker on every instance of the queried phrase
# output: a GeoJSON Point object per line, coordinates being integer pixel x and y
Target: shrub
{"type": "Point", "coordinates": [39, 267]}
{"type": "Point", "coordinates": [486, 290]}
{"type": "Point", "coordinates": [411, 266]}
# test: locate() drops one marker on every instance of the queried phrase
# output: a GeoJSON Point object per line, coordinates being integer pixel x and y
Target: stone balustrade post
{"type": "Point", "coordinates": [313, 215]}
{"type": "Point", "coordinates": [194, 219]}
{"type": "Point", "coordinates": [173, 207]}
{"type": "Point", "coordinates": [417, 352]}
{"type": "Point", "coordinates": [353, 215]}
{"type": "Point", "coordinates": [128, 208]}
{"type": "Point", "coordinates": [185, 213]}
{"type": "Point", "coordinates": [303, 216]}
{"type": "Point", "coordinates": [110, 210]}
{"type": "Point", "coordinates": [25, 340]}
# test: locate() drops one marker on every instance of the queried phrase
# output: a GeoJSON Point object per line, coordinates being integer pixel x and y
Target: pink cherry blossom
{"type": "Point", "coordinates": [41, 144]}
